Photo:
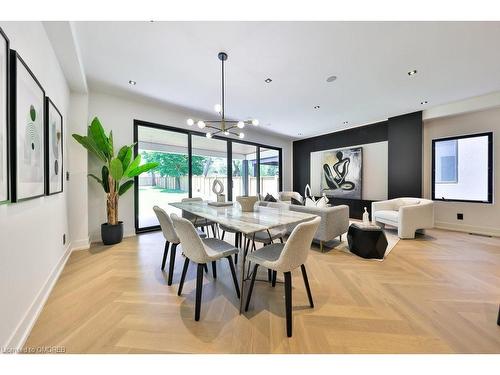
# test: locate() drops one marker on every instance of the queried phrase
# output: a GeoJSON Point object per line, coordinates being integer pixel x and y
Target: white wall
{"type": "Point", "coordinates": [31, 247]}
{"type": "Point", "coordinates": [117, 113]}
{"type": "Point", "coordinates": [478, 217]}
{"type": "Point", "coordinates": [374, 170]}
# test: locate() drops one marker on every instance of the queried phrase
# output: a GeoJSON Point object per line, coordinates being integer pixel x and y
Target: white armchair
{"type": "Point", "coordinates": [407, 214]}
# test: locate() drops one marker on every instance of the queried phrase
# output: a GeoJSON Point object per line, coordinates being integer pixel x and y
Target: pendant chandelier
{"type": "Point", "coordinates": [223, 125]}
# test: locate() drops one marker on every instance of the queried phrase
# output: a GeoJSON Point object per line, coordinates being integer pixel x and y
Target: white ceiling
{"type": "Point", "coordinates": [176, 62]}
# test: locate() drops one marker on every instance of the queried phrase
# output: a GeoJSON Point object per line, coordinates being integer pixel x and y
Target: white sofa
{"type": "Point", "coordinates": [334, 220]}
{"type": "Point", "coordinates": [407, 214]}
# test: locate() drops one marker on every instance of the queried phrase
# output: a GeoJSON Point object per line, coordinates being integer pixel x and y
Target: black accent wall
{"type": "Point", "coordinates": [404, 136]}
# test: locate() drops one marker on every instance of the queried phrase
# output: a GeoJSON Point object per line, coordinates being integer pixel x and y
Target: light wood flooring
{"type": "Point", "coordinates": [438, 293]}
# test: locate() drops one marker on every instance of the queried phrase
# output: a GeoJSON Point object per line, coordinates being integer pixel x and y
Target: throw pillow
{"type": "Point", "coordinates": [269, 198]}
{"type": "Point", "coordinates": [296, 202]}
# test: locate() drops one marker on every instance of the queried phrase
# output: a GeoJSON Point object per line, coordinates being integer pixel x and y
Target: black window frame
{"type": "Point", "coordinates": [490, 167]}
{"type": "Point", "coordinates": [190, 133]}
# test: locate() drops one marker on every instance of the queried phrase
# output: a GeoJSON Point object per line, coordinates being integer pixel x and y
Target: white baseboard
{"type": "Point", "coordinates": [487, 231]}
{"type": "Point", "coordinates": [23, 329]}
{"type": "Point", "coordinates": [83, 244]}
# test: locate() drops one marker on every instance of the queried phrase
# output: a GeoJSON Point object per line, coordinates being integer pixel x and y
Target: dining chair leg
{"type": "Point", "coordinates": [288, 303]}
{"type": "Point", "coordinates": [269, 275]}
{"type": "Point", "coordinates": [165, 252]}
{"type": "Point", "coordinates": [306, 283]}
{"type": "Point", "coordinates": [183, 276]}
{"type": "Point", "coordinates": [236, 245]}
{"type": "Point", "coordinates": [214, 269]}
{"type": "Point", "coordinates": [213, 230]}
{"type": "Point", "coordinates": [254, 274]}
{"type": "Point", "coordinates": [173, 250]}
{"type": "Point", "coordinates": [274, 279]}
{"type": "Point", "coordinates": [199, 287]}
{"type": "Point", "coordinates": [205, 267]}
{"type": "Point", "coordinates": [223, 233]}
{"type": "Point", "coordinates": [281, 239]}
{"type": "Point", "coordinates": [233, 274]}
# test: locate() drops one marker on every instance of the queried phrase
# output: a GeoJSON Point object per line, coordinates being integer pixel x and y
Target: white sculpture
{"type": "Point", "coordinates": [218, 189]}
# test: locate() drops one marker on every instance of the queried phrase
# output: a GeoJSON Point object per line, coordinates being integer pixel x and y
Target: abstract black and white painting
{"type": "Point", "coordinates": [28, 137]}
{"type": "Point", "coordinates": [342, 173]}
{"type": "Point", "coordinates": [54, 150]}
{"type": "Point", "coordinates": [4, 117]}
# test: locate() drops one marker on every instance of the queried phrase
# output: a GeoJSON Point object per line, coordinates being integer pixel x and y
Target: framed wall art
{"type": "Point", "coordinates": [27, 132]}
{"type": "Point", "coordinates": [4, 118]}
{"type": "Point", "coordinates": [342, 172]}
{"type": "Point", "coordinates": [54, 149]}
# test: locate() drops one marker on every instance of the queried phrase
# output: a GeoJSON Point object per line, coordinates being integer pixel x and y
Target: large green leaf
{"type": "Point", "coordinates": [125, 154]}
{"type": "Point", "coordinates": [127, 185]}
{"type": "Point", "coordinates": [122, 152]}
{"type": "Point", "coordinates": [116, 169]}
{"type": "Point", "coordinates": [98, 135]}
{"type": "Point", "coordinates": [105, 178]}
{"type": "Point", "coordinates": [135, 163]}
{"type": "Point", "coordinates": [141, 169]}
{"type": "Point", "coordinates": [89, 145]}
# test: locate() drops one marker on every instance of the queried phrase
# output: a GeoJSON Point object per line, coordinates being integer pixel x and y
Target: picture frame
{"type": "Point", "coordinates": [4, 118]}
{"type": "Point", "coordinates": [342, 173]}
{"type": "Point", "coordinates": [27, 132]}
{"type": "Point", "coordinates": [54, 148]}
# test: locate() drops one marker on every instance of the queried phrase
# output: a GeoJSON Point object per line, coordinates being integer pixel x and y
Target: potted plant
{"type": "Point", "coordinates": [117, 174]}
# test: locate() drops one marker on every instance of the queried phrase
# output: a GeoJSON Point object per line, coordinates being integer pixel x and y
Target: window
{"type": "Point", "coordinates": [189, 163]}
{"type": "Point", "coordinates": [269, 171]}
{"type": "Point", "coordinates": [462, 168]}
{"type": "Point", "coordinates": [209, 162]}
{"type": "Point", "coordinates": [167, 183]}
{"type": "Point", "coordinates": [446, 161]}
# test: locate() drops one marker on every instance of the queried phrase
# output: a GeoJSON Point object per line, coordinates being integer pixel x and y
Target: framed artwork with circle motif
{"type": "Point", "coordinates": [54, 149]}
{"type": "Point", "coordinates": [4, 119]}
{"type": "Point", "coordinates": [26, 132]}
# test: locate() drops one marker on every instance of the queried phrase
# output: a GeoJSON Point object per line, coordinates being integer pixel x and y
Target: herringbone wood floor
{"type": "Point", "coordinates": [436, 294]}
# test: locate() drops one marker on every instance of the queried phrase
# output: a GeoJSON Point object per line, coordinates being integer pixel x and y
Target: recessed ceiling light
{"type": "Point", "coordinates": [133, 83]}
{"type": "Point", "coordinates": [412, 72]}
{"type": "Point", "coordinates": [268, 80]}
{"type": "Point", "coordinates": [424, 102]}
{"type": "Point", "coordinates": [346, 122]}
{"type": "Point", "coordinates": [299, 133]}
{"type": "Point", "coordinates": [317, 107]}
{"type": "Point", "coordinates": [331, 78]}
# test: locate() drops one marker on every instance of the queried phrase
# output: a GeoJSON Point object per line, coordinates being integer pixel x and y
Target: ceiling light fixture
{"type": "Point", "coordinates": [222, 126]}
{"type": "Point", "coordinates": [412, 72]}
{"type": "Point", "coordinates": [317, 107]}
{"type": "Point", "coordinates": [424, 102]}
{"type": "Point", "coordinates": [346, 122]}
{"type": "Point", "coordinates": [131, 82]}
{"type": "Point", "coordinates": [331, 78]}
{"type": "Point", "coordinates": [268, 80]}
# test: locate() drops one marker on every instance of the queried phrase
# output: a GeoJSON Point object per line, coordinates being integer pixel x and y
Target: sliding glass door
{"type": "Point", "coordinates": [169, 182]}
{"type": "Point", "coordinates": [209, 162]}
{"type": "Point", "coordinates": [269, 171]}
{"type": "Point", "coordinates": [244, 169]}
{"type": "Point", "coordinates": [189, 162]}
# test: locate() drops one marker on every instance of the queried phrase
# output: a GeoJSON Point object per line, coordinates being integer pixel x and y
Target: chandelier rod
{"type": "Point", "coordinates": [222, 90]}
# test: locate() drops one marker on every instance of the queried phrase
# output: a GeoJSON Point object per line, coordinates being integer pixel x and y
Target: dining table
{"type": "Point", "coordinates": [247, 223]}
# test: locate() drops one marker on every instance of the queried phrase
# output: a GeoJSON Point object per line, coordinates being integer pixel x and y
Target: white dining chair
{"type": "Point", "coordinates": [171, 240]}
{"type": "Point", "coordinates": [286, 258]}
{"type": "Point", "coordinates": [202, 252]}
{"type": "Point", "coordinates": [199, 222]}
